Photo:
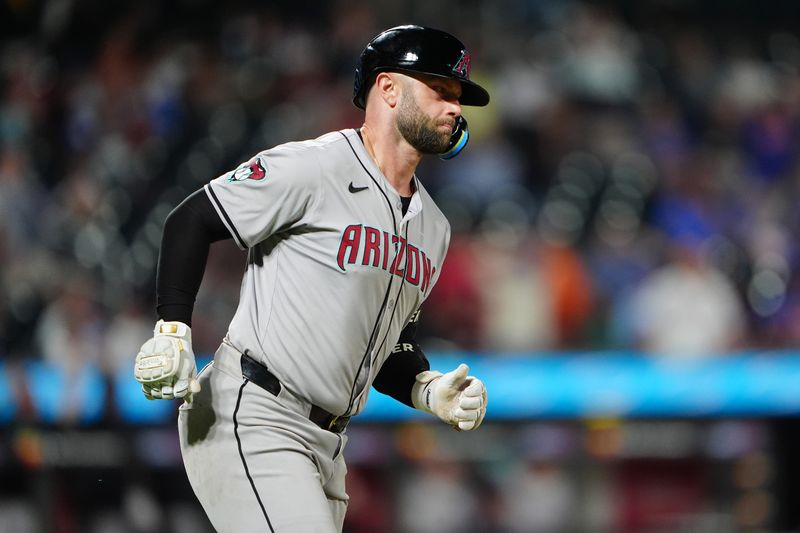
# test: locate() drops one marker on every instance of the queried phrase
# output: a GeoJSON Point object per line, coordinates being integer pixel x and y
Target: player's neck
{"type": "Point", "coordinates": [396, 159]}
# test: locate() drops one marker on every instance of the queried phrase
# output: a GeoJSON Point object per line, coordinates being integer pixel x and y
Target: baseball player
{"type": "Point", "coordinates": [343, 245]}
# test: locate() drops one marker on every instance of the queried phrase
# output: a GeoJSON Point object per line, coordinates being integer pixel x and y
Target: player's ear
{"type": "Point", "coordinates": [388, 87]}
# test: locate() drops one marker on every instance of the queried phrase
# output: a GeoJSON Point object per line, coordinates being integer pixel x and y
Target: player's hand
{"type": "Point", "coordinates": [456, 397]}
{"type": "Point", "coordinates": [165, 364]}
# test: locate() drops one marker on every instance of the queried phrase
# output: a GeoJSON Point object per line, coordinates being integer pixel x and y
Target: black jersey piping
{"type": "Point", "coordinates": [399, 292]}
{"type": "Point", "coordinates": [236, 235]}
{"type": "Point", "coordinates": [376, 325]}
{"type": "Point", "coordinates": [241, 454]}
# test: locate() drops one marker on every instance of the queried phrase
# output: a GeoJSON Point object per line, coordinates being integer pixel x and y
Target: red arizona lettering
{"type": "Point", "coordinates": [398, 259]}
{"type": "Point", "coordinates": [427, 272]}
{"type": "Point", "coordinates": [372, 246]}
{"type": "Point", "coordinates": [409, 262]}
{"type": "Point", "coordinates": [351, 238]}
{"type": "Point", "coordinates": [385, 249]}
{"type": "Point", "coordinates": [412, 264]}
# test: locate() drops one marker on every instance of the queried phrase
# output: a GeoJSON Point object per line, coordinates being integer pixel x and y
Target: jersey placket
{"type": "Point", "coordinates": [377, 342]}
{"type": "Point", "coordinates": [389, 309]}
{"type": "Point", "coordinates": [391, 199]}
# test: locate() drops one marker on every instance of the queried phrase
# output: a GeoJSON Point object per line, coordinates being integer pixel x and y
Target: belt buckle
{"type": "Point", "coordinates": [333, 422]}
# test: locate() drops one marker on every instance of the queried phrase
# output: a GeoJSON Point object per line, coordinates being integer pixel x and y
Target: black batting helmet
{"type": "Point", "coordinates": [417, 49]}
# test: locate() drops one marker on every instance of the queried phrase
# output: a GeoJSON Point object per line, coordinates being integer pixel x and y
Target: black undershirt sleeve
{"type": "Point", "coordinates": [188, 233]}
{"type": "Point", "coordinates": [398, 373]}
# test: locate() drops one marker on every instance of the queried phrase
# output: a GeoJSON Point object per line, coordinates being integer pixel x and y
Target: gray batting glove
{"type": "Point", "coordinates": [165, 364]}
{"type": "Point", "coordinates": [456, 397]}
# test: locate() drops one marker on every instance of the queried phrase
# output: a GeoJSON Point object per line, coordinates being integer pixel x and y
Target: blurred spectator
{"type": "Point", "coordinates": [687, 307]}
{"type": "Point", "coordinates": [124, 335]}
{"type": "Point", "coordinates": [479, 176]}
{"type": "Point", "coordinates": [770, 142]}
{"type": "Point", "coordinates": [539, 497]}
{"type": "Point", "coordinates": [454, 313]}
{"type": "Point", "coordinates": [18, 516]}
{"type": "Point", "coordinates": [520, 305]}
{"type": "Point", "coordinates": [600, 65]}
{"type": "Point", "coordinates": [369, 507]}
{"type": "Point", "coordinates": [21, 202]}
{"type": "Point", "coordinates": [435, 497]}
{"type": "Point", "coordinates": [70, 333]}
{"type": "Point", "coordinates": [572, 293]}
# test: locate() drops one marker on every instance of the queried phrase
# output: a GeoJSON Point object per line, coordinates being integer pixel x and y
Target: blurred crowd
{"type": "Point", "coordinates": [532, 477]}
{"type": "Point", "coordinates": [633, 184]}
{"type": "Point", "coordinates": [628, 187]}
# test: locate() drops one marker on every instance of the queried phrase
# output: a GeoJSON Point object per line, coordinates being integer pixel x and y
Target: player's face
{"type": "Point", "coordinates": [427, 112]}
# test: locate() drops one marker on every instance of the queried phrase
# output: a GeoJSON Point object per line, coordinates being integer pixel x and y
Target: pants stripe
{"type": "Point", "coordinates": [241, 454]}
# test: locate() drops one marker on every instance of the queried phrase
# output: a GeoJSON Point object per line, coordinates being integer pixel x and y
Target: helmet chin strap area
{"type": "Point", "coordinates": [458, 139]}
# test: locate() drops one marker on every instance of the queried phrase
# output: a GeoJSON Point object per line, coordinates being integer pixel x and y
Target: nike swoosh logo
{"type": "Point", "coordinates": [355, 189]}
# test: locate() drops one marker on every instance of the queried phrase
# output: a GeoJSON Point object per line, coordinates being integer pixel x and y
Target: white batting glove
{"type": "Point", "coordinates": [456, 398]}
{"type": "Point", "coordinates": [165, 364]}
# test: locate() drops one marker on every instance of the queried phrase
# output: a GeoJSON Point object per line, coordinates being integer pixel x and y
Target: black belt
{"type": "Point", "coordinates": [258, 374]}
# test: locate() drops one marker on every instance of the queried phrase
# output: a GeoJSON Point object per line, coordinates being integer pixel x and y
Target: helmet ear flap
{"type": "Point", "coordinates": [358, 88]}
{"type": "Point", "coordinates": [364, 79]}
{"type": "Point", "coordinates": [458, 139]}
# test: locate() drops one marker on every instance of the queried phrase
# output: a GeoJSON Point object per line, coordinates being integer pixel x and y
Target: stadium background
{"type": "Point", "coordinates": [624, 267]}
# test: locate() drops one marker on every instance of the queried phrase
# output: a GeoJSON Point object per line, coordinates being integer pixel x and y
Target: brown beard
{"type": "Point", "coordinates": [419, 130]}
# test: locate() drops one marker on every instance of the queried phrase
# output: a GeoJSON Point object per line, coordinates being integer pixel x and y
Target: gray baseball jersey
{"type": "Point", "coordinates": [334, 269]}
{"type": "Point", "coordinates": [334, 273]}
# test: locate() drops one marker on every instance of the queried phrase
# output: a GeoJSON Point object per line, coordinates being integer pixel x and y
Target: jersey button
{"type": "Point", "coordinates": [390, 302]}
{"type": "Point", "coordinates": [399, 205]}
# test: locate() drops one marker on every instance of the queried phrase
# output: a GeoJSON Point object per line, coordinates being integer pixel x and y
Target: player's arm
{"type": "Point", "coordinates": [188, 233]}
{"type": "Point", "coordinates": [398, 374]}
{"type": "Point", "coordinates": [165, 364]}
{"type": "Point", "coordinates": [455, 397]}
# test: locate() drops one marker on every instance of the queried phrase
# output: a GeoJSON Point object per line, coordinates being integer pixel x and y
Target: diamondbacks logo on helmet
{"type": "Point", "coordinates": [252, 170]}
{"type": "Point", "coordinates": [462, 67]}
